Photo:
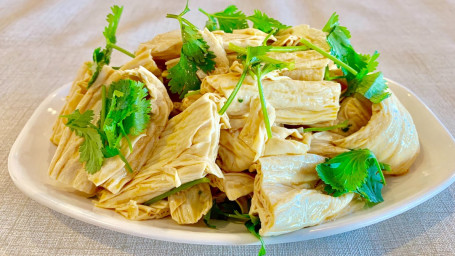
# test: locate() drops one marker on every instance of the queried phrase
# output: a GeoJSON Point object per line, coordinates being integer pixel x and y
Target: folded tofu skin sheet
{"type": "Point", "coordinates": [238, 119]}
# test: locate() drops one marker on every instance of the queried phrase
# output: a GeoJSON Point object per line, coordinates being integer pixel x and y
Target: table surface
{"type": "Point", "coordinates": [42, 44]}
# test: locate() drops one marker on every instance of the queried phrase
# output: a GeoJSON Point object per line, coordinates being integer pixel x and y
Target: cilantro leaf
{"type": "Point", "coordinates": [228, 20]}
{"type": "Point", "coordinates": [346, 171]}
{"type": "Point", "coordinates": [232, 18]}
{"type": "Point", "coordinates": [90, 152]}
{"type": "Point", "coordinates": [371, 189]}
{"type": "Point", "coordinates": [331, 23]}
{"type": "Point", "coordinates": [183, 77]}
{"type": "Point", "coordinates": [195, 54]}
{"type": "Point", "coordinates": [113, 19]}
{"type": "Point", "coordinates": [109, 152]}
{"type": "Point", "coordinates": [78, 120]}
{"type": "Point", "coordinates": [196, 49]}
{"type": "Point", "coordinates": [91, 149]}
{"type": "Point", "coordinates": [355, 171]}
{"type": "Point", "coordinates": [127, 110]}
{"type": "Point", "coordinates": [265, 23]}
{"type": "Point", "coordinates": [138, 120]}
{"type": "Point", "coordinates": [372, 86]}
{"type": "Point", "coordinates": [371, 61]}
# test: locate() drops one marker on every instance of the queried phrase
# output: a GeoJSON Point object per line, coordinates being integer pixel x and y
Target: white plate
{"type": "Point", "coordinates": [431, 173]}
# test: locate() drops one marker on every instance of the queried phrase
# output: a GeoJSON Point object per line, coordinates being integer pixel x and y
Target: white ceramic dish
{"type": "Point", "coordinates": [433, 171]}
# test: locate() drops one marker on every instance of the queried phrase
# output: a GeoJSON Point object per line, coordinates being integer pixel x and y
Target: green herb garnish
{"type": "Point", "coordinates": [265, 23]}
{"type": "Point", "coordinates": [231, 210]}
{"type": "Point", "coordinates": [356, 171]}
{"type": "Point", "coordinates": [91, 149]}
{"type": "Point", "coordinates": [102, 57]}
{"type": "Point", "coordinates": [232, 18]}
{"type": "Point", "coordinates": [124, 111]}
{"type": "Point", "coordinates": [357, 68]}
{"type": "Point", "coordinates": [228, 20]}
{"type": "Point", "coordinates": [253, 225]}
{"type": "Point", "coordinates": [127, 110]}
{"type": "Point", "coordinates": [195, 54]}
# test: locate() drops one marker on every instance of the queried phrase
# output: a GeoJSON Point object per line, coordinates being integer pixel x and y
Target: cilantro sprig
{"type": "Point", "coordinates": [124, 111]}
{"type": "Point", "coordinates": [194, 55]}
{"type": "Point", "coordinates": [231, 210]}
{"type": "Point", "coordinates": [356, 171]}
{"type": "Point", "coordinates": [232, 18]}
{"type": "Point", "coordinates": [102, 57]}
{"type": "Point", "coordinates": [357, 68]}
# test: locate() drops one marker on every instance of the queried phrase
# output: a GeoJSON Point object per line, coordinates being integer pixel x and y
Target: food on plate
{"type": "Point", "coordinates": [275, 126]}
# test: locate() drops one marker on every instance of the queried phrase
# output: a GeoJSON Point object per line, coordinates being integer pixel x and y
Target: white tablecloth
{"type": "Point", "coordinates": [42, 44]}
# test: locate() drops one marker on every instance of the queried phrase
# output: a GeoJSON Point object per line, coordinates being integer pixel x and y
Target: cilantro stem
{"type": "Point", "coordinates": [264, 43]}
{"type": "Point", "coordinates": [381, 173]}
{"type": "Point", "coordinates": [177, 189]}
{"type": "Point", "coordinates": [330, 78]}
{"type": "Point", "coordinates": [238, 215]}
{"type": "Point", "coordinates": [211, 15]}
{"type": "Point", "coordinates": [192, 93]}
{"type": "Point", "coordinates": [130, 145]}
{"type": "Point", "coordinates": [94, 76]}
{"type": "Point", "coordinates": [206, 13]}
{"type": "Point", "coordinates": [172, 16]}
{"type": "Point", "coordinates": [263, 104]}
{"type": "Point", "coordinates": [242, 50]}
{"type": "Point", "coordinates": [288, 48]}
{"type": "Point", "coordinates": [221, 16]}
{"type": "Point", "coordinates": [321, 129]}
{"type": "Point", "coordinates": [127, 165]}
{"type": "Point", "coordinates": [120, 49]}
{"type": "Point", "coordinates": [329, 56]}
{"type": "Point", "coordinates": [234, 216]}
{"type": "Point", "coordinates": [267, 59]}
{"type": "Point", "coordinates": [181, 19]}
{"type": "Point", "coordinates": [234, 92]}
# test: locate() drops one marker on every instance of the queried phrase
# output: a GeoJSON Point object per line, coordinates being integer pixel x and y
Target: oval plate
{"type": "Point", "coordinates": [432, 172]}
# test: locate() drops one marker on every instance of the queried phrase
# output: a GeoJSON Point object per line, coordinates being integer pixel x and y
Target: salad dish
{"type": "Point", "coordinates": [247, 121]}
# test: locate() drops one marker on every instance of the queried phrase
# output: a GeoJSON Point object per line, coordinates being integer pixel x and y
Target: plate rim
{"type": "Point", "coordinates": [209, 238]}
